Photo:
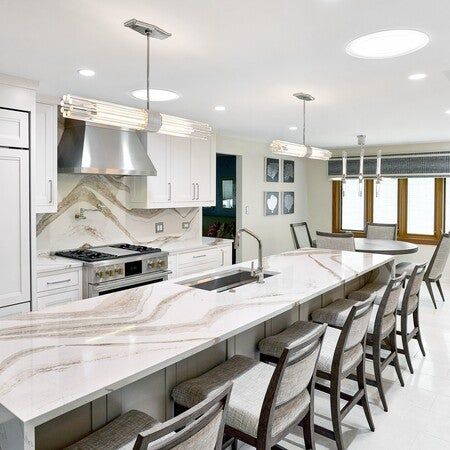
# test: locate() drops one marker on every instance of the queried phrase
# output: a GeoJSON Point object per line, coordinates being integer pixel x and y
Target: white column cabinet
{"type": "Point", "coordinates": [186, 174]}
{"type": "Point", "coordinates": [15, 227]}
{"type": "Point", "coordinates": [46, 158]}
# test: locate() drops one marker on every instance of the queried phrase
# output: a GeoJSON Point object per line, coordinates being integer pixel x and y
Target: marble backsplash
{"type": "Point", "coordinates": [114, 223]}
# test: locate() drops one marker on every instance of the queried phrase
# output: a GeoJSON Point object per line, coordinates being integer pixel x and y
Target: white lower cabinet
{"type": "Point", "coordinates": [15, 309]}
{"type": "Point", "coordinates": [59, 286]}
{"type": "Point", "coordinates": [192, 262]}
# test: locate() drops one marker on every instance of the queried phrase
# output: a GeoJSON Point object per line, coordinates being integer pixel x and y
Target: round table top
{"type": "Point", "coordinates": [384, 246]}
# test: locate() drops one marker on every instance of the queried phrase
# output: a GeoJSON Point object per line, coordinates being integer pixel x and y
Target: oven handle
{"type": "Point", "coordinates": [123, 282]}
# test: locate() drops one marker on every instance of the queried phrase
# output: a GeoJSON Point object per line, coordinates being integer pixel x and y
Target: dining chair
{"type": "Point", "coordinates": [409, 306]}
{"type": "Point", "coordinates": [435, 268]}
{"type": "Point", "coordinates": [382, 329]}
{"type": "Point", "coordinates": [335, 241]}
{"type": "Point", "coordinates": [267, 402]}
{"type": "Point", "coordinates": [386, 231]}
{"type": "Point", "coordinates": [201, 426]}
{"type": "Point", "coordinates": [301, 235]}
{"type": "Point", "coordinates": [342, 353]}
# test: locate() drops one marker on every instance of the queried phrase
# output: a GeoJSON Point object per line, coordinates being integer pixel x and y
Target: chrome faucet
{"type": "Point", "coordinates": [259, 271]}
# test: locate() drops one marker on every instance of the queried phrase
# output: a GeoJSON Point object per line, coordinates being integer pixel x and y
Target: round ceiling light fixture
{"type": "Point", "coordinates": [387, 44]}
{"type": "Point", "coordinates": [156, 95]}
{"type": "Point", "coordinates": [293, 128]}
{"type": "Point", "coordinates": [417, 76]}
{"type": "Point", "coordinates": [219, 108]}
{"type": "Point", "coordinates": [86, 72]}
{"type": "Point", "coordinates": [447, 112]}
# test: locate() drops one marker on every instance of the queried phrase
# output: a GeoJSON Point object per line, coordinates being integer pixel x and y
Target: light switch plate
{"type": "Point", "coordinates": [185, 225]}
{"type": "Point", "coordinates": [159, 227]}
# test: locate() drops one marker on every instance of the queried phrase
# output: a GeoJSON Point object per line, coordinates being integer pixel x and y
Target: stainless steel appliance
{"type": "Point", "coordinates": [113, 268]}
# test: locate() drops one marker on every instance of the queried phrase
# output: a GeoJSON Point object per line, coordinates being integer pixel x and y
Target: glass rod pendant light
{"type": "Point", "coordinates": [344, 172]}
{"type": "Point", "coordinates": [111, 114]}
{"type": "Point", "coordinates": [361, 143]}
{"type": "Point", "coordinates": [378, 179]}
{"type": "Point", "coordinates": [285, 148]}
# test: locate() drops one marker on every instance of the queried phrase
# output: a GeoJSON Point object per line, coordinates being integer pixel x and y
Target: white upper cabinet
{"type": "Point", "coordinates": [46, 192]}
{"type": "Point", "coordinates": [14, 129]}
{"type": "Point", "coordinates": [186, 174]}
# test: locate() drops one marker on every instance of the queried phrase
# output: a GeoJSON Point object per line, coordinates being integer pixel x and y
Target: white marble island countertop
{"type": "Point", "coordinates": [59, 358]}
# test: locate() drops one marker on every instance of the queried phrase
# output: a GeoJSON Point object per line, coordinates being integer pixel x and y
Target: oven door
{"type": "Point", "coordinates": [109, 287]}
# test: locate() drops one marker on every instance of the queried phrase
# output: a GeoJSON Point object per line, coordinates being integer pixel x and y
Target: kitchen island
{"type": "Point", "coordinates": [68, 369]}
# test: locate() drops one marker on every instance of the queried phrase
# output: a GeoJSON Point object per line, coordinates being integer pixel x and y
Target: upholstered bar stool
{"type": "Point", "coordinates": [382, 327]}
{"type": "Point", "coordinates": [435, 269]}
{"type": "Point", "coordinates": [267, 401]}
{"type": "Point", "coordinates": [409, 306]}
{"type": "Point", "coordinates": [387, 231]}
{"type": "Point", "coordinates": [342, 353]}
{"type": "Point", "coordinates": [335, 241]}
{"type": "Point", "coordinates": [301, 235]}
{"type": "Point", "coordinates": [200, 427]}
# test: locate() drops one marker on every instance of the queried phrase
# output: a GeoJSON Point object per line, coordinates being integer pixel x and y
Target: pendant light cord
{"type": "Point", "coordinates": [148, 70]}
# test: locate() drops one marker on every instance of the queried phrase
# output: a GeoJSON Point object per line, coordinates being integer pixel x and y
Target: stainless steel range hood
{"type": "Point", "coordinates": [90, 148]}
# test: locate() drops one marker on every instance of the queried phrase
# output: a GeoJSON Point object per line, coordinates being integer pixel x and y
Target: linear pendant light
{"type": "Point", "coordinates": [285, 148]}
{"type": "Point", "coordinates": [111, 114]}
{"type": "Point", "coordinates": [361, 142]}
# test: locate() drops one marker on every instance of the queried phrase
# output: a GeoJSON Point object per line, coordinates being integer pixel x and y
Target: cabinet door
{"type": "Point", "coordinates": [201, 173]}
{"type": "Point", "coordinates": [181, 187]}
{"type": "Point", "coordinates": [15, 309]}
{"type": "Point", "coordinates": [46, 158]}
{"type": "Point", "coordinates": [56, 299]}
{"type": "Point", "coordinates": [14, 129]}
{"type": "Point", "coordinates": [14, 227]}
{"type": "Point", "coordinates": [158, 186]}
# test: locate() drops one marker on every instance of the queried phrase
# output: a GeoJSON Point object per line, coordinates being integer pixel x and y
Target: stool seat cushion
{"type": "Point", "coordinates": [250, 379]}
{"type": "Point", "coordinates": [119, 434]}
{"type": "Point", "coordinates": [374, 291]}
{"type": "Point", "coordinates": [404, 267]}
{"type": "Point", "coordinates": [335, 313]}
{"type": "Point", "coordinates": [330, 340]}
{"type": "Point", "coordinates": [274, 345]}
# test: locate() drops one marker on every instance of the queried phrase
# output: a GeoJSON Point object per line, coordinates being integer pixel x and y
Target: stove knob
{"type": "Point", "coordinates": [161, 263]}
{"type": "Point", "coordinates": [151, 264]}
{"type": "Point", "coordinates": [100, 274]}
{"type": "Point", "coordinates": [111, 272]}
{"type": "Point", "coordinates": [119, 270]}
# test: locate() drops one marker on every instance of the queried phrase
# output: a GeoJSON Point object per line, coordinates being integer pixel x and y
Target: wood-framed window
{"type": "Point", "coordinates": [417, 205]}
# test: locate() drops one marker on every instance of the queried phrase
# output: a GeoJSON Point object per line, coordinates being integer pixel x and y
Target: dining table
{"type": "Point", "coordinates": [384, 246]}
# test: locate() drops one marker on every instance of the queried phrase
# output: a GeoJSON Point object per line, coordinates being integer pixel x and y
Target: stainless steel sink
{"type": "Point", "coordinates": [224, 281]}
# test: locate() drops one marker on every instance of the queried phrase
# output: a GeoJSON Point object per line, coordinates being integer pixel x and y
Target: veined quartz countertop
{"type": "Point", "coordinates": [61, 357]}
{"type": "Point", "coordinates": [48, 263]}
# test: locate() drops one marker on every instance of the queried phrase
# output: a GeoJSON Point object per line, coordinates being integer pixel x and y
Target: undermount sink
{"type": "Point", "coordinates": [224, 281]}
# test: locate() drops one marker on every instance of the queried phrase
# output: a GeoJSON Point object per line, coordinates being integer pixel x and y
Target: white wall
{"type": "Point", "coordinates": [274, 230]}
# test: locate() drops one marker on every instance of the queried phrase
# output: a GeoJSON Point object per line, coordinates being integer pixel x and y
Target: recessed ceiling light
{"type": "Point", "coordinates": [86, 72]}
{"type": "Point", "coordinates": [156, 95]}
{"type": "Point", "coordinates": [417, 76]}
{"type": "Point", "coordinates": [219, 108]}
{"type": "Point", "coordinates": [387, 44]}
{"type": "Point", "coordinates": [447, 112]}
{"type": "Point", "coordinates": [293, 128]}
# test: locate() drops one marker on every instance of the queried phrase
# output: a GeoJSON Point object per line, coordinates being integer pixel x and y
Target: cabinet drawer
{"type": "Point", "coordinates": [14, 128]}
{"type": "Point", "coordinates": [196, 268]}
{"type": "Point", "coordinates": [199, 257]}
{"type": "Point", "coordinates": [15, 309]}
{"type": "Point", "coordinates": [60, 297]}
{"type": "Point", "coordinates": [56, 281]}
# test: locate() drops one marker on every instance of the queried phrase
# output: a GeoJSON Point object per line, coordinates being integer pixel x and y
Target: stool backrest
{"type": "Point", "coordinates": [414, 284]}
{"type": "Point", "coordinates": [335, 241]}
{"type": "Point", "coordinates": [301, 235]}
{"type": "Point", "coordinates": [293, 378]}
{"type": "Point", "coordinates": [200, 427]}
{"type": "Point", "coordinates": [386, 231]}
{"type": "Point", "coordinates": [439, 258]}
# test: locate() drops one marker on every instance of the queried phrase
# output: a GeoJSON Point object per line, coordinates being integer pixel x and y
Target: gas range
{"type": "Point", "coordinates": [111, 268]}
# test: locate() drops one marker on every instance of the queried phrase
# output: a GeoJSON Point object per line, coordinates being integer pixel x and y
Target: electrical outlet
{"type": "Point", "coordinates": [185, 225]}
{"type": "Point", "coordinates": [159, 227]}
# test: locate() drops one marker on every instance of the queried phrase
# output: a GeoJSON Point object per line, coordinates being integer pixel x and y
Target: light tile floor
{"type": "Point", "coordinates": [419, 413]}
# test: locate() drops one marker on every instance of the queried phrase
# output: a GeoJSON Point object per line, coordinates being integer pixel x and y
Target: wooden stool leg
{"type": "Point", "coordinates": [377, 369]}
{"type": "Point", "coordinates": [418, 335]}
{"type": "Point", "coordinates": [404, 335]}
{"type": "Point", "coordinates": [438, 282]}
{"type": "Point", "coordinates": [396, 361]}
{"type": "Point", "coordinates": [335, 396]}
{"type": "Point", "coordinates": [361, 377]}
{"type": "Point", "coordinates": [430, 290]}
{"type": "Point", "coordinates": [308, 430]}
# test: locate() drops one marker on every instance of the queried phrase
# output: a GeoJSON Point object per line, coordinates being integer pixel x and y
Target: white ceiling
{"type": "Point", "coordinates": [249, 55]}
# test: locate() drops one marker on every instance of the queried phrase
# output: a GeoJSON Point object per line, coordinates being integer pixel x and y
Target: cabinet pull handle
{"type": "Point", "coordinates": [199, 256]}
{"type": "Point", "coordinates": [58, 282]}
{"type": "Point", "coordinates": [198, 191]}
{"type": "Point", "coordinates": [170, 191]}
{"type": "Point", "coordinates": [193, 195]}
{"type": "Point", "coordinates": [50, 183]}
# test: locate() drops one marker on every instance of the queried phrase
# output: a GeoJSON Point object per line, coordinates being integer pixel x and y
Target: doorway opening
{"type": "Point", "coordinates": [220, 221]}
